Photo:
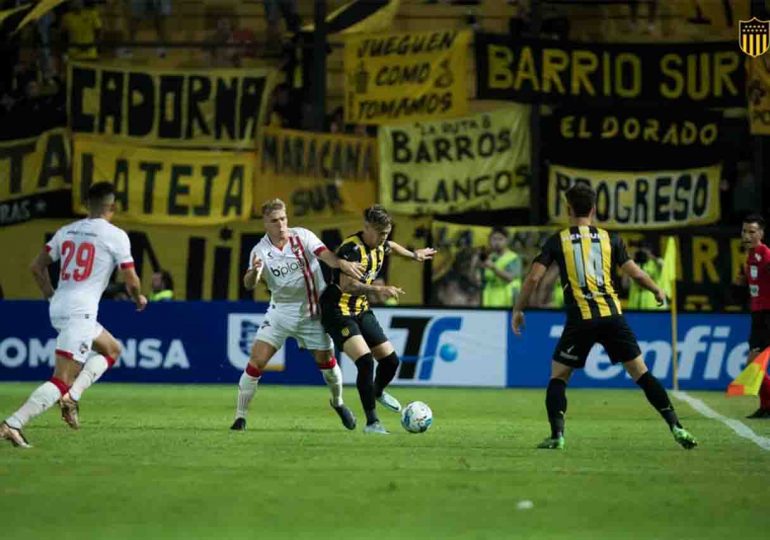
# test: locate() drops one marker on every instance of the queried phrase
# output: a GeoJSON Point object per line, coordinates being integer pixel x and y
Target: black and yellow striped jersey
{"type": "Point", "coordinates": [354, 249]}
{"type": "Point", "coordinates": [586, 256]}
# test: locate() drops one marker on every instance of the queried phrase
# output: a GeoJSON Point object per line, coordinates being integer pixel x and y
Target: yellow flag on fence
{"type": "Point", "coordinates": [750, 379]}
{"type": "Point", "coordinates": [668, 272]}
{"type": "Point", "coordinates": [40, 9]}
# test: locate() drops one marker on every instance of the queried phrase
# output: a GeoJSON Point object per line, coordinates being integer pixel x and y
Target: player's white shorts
{"type": "Point", "coordinates": [287, 320]}
{"type": "Point", "coordinates": [76, 333]}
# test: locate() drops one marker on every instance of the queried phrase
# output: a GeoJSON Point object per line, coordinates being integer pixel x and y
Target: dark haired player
{"type": "Point", "coordinates": [586, 256]}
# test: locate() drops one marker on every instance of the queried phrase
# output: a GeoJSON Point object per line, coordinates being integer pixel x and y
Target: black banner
{"type": "Point", "coordinates": [531, 71]}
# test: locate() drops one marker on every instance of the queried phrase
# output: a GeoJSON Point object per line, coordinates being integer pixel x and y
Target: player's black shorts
{"type": "Point", "coordinates": [613, 333]}
{"type": "Point", "coordinates": [342, 327]}
{"type": "Point", "coordinates": [760, 330]}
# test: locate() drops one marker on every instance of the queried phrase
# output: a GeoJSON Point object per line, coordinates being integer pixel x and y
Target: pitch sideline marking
{"type": "Point", "coordinates": [741, 429]}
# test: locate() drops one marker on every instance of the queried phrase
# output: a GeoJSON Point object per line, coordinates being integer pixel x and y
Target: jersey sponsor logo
{"type": "Point", "coordinates": [287, 269]}
{"type": "Point", "coordinates": [242, 330]}
{"type": "Point", "coordinates": [753, 271]}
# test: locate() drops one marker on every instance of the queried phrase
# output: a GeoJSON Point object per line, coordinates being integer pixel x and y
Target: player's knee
{"type": "Point", "coordinates": [390, 360]}
{"type": "Point", "coordinates": [365, 365]}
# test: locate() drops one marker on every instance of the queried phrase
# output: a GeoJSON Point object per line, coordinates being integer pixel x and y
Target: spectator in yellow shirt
{"type": "Point", "coordinates": [82, 28]}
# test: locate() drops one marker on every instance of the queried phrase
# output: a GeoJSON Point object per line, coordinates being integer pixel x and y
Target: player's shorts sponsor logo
{"type": "Point", "coordinates": [286, 269]}
{"type": "Point", "coordinates": [242, 330]}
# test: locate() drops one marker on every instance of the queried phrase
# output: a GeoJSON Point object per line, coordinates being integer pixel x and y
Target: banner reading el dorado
{"type": "Point", "coordinates": [641, 199]}
{"type": "Point", "coordinates": [472, 163]}
{"type": "Point", "coordinates": [219, 108]}
{"type": "Point", "coordinates": [34, 177]}
{"type": "Point", "coordinates": [758, 90]}
{"type": "Point", "coordinates": [206, 263]}
{"type": "Point", "coordinates": [174, 187]}
{"type": "Point", "coordinates": [404, 77]}
{"type": "Point", "coordinates": [316, 174]}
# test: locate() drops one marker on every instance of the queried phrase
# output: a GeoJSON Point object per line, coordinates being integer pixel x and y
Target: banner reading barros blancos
{"type": "Point", "coordinates": [34, 176]}
{"type": "Point", "coordinates": [530, 71]}
{"type": "Point", "coordinates": [475, 162]}
{"type": "Point", "coordinates": [758, 90]}
{"type": "Point", "coordinates": [180, 187]}
{"type": "Point", "coordinates": [317, 174]}
{"type": "Point", "coordinates": [404, 77]}
{"type": "Point", "coordinates": [641, 199]}
{"type": "Point", "coordinates": [219, 108]}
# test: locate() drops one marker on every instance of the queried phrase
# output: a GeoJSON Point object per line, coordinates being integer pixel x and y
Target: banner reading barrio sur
{"type": "Point", "coordinates": [34, 176]}
{"type": "Point", "coordinates": [478, 162]}
{"type": "Point", "coordinates": [219, 108]}
{"type": "Point", "coordinates": [404, 77]}
{"type": "Point", "coordinates": [316, 174]}
{"type": "Point", "coordinates": [179, 187]}
{"type": "Point", "coordinates": [641, 199]}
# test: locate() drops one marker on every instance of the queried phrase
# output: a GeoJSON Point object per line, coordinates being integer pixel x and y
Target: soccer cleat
{"type": "Point", "coordinates": [346, 415]}
{"type": "Point", "coordinates": [389, 402]}
{"type": "Point", "coordinates": [14, 435]}
{"type": "Point", "coordinates": [684, 438]}
{"type": "Point", "coordinates": [760, 413]}
{"type": "Point", "coordinates": [69, 411]}
{"type": "Point", "coordinates": [376, 427]}
{"type": "Point", "coordinates": [239, 424]}
{"type": "Point", "coordinates": [552, 443]}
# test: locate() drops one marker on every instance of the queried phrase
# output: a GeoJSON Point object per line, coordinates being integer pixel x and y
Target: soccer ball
{"type": "Point", "coordinates": [416, 417]}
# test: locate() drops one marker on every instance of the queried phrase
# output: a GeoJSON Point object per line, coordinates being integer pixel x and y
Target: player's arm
{"type": "Point", "coordinates": [419, 255]}
{"type": "Point", "coordinates": [356, 288]}
{"type": "Point", "coordinates": [39, 269]}
{"type": "Point", "coordinates": [632, 270]}
{"type": "Point", "coordinates": [133, 286]}
{"type": "Point", "coordinates": [528, 287]}
{"type": "Point", "coordinates": [252, 275]}
{"type": "Point", "coordinates": [351, 268]}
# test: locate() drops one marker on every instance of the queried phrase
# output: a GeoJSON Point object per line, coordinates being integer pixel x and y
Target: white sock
{"type": "Point", "coordinates": [333, 378]}
{"type": "Point", "coordinates": [37, 403]}
{"type": "Point", "coordinates": [247, 387]}
{"type": "Point", "coordinates": [93, 369]}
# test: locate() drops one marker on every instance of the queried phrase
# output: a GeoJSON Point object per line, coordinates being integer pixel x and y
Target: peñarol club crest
{"type": "Point", "coordinates": [754, 36]}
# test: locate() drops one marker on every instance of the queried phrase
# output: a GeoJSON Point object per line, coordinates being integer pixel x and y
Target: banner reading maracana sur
{"type": "Point", "coordinates": [219, 108]}
{"type": "Point", "coordinates": [641, 199]}
{"type": "Point", "coordinates": [179, 187]}
{"type": "Point", "coordinates": [404, 77]}
{"type": "Point", "coordinates": [317, 174]}
{"type": "Point", "coordinates": [478, 162]}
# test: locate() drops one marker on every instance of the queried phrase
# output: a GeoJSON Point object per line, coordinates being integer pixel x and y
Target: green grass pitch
{"type": "Point", "coordinates": [157, 461]}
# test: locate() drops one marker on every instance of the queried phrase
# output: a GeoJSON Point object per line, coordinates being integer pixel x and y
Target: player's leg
{"type": "Point", "coordinates": [261, 353]}
{"type": "Point", "coordinates": [332, 375]}
{"type": "Point", "coordinates": [355, 347]}
{"type": "Point", "coordinates": [386, 357]}
{"type": "Point", "coordinates": [42, 399]}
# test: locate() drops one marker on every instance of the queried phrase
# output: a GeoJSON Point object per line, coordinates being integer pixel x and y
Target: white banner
{"type": "Point", "coordinates": [444, 347]}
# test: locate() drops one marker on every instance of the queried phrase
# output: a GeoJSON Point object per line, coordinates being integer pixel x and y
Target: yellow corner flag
{"type": "Point", "coordinates": [750, 379]}
{"type": "Point", "coordinates": [668, 284]}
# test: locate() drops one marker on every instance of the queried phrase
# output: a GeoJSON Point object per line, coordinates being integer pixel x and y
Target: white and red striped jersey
{"type": "Point", "coordinates": [89, 250]}
{"type": "Point", "coordinates": [293, 274]}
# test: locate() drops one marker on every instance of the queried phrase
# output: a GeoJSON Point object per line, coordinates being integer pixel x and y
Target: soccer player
{"type": "Point", "coordinates": [586, 255]}
{"type": "Point", "coordinates": [352, 325]}
{"type": "Point", "coordinates": [287, 259]}
{"type": "Point", "coordinates": [757, 276]}
{"type": "Point", "coordinates": [88, 250]}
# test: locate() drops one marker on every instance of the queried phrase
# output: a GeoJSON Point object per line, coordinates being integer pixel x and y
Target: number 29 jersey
{"type": "Point", "coordinates": [88, 251]}
{"type": "Point", "coordinates": [586, 256]}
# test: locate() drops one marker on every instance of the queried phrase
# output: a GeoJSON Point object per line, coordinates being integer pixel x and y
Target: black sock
{"type": "Point", "coordinates": [386, 370]}
{"type": "Point", "coordinates": [556, 405]}
{"type": "Point", "coordinates": [365, 385]}
{"type": "Point", "coordinates": [658, 398]}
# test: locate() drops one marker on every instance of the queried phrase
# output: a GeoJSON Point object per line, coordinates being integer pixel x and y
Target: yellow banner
{"type": "Point", "coordinates": [35, 165]}
{"type": "Point", "coordinates": [316, 174]}
{"type": "Point", "coordinates": [641, 199]}
{"type": "Point", "coordinates": [179, 187]}
{"type": "Point", "coordinates": [404, 77]}
{"type": "Point", "coordinates": [758, 90]}
{"type": "Point", "coordinates": [206, 263]}
{"type": "Point", "coordinates": [219, 108]}
{"type": "Point", "coordinates": [478, 162]}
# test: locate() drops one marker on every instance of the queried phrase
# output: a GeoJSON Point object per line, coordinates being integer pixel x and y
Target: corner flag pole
{"type": "Point", "coordinates": [668, 277]}
{"type": "Point", "coordinates": [674, 338]}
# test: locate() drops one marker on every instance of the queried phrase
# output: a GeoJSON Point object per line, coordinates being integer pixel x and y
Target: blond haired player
{"type": "Point", "coordinates": [287, 258]}
{"type": "Point", "coordinates": [88, 250]}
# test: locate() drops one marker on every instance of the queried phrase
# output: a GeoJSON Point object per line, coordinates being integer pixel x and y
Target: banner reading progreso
{"type": "Point", "coordinates": [34, 174]}
{"type": "Point", "coordinates": [392, 78]}
{"type": "Point", "coordinates": [641, 199]}
{"type": "Point", "coordinates": [317, 174]}
{"type": "Point", "coordinates": [180, 187]}
{"type": "Point", "coordinates": [470, 163]}
{"type": "Point", "coordinates": [219, 108]}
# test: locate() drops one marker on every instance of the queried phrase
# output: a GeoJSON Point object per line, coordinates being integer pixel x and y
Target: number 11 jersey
{"type": "Point", "coordinates": [88, 251]}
